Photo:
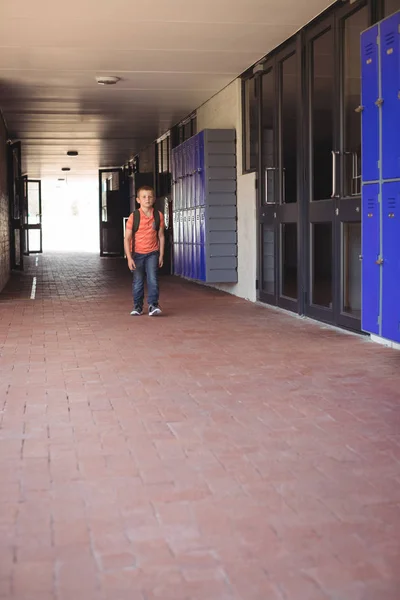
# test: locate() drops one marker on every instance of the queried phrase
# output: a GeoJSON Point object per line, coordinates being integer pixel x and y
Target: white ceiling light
{"type": "Point", "coordinates": [107, 80]}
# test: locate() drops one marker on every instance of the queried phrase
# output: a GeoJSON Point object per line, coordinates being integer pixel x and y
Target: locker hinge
{"type": "Point", "coordinates": [379, 164]}
{"type": "Point", "coordinates": [379, 319]}
{"type": "Point", "coordinates": [378, 40]}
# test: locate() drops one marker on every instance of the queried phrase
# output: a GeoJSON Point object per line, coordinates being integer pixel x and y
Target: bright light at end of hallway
{"type": "Point", "coordinates": [70, 215]}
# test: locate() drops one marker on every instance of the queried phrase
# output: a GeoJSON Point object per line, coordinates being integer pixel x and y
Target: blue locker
{"type": "Point", "coordinates": [183, 149]}
{"type": "Point", "coordinates": [184, 226]}
{"type": "Point", "coordinates": [176, 226]}
{"type": "Point", "coordinates": [179, 219]}
{"type": "Point", "coordinates": [391, 261]}
{"type": "Point", "coordinates": [202, 225]}
{"type": "Point", "coordinates": [180, 259]}
{"type": "Point", "coordinates": [178, 178]}
{"type": "Point", "coordinates": [197, 226]}
{"type": "Point", "coordinates": [370, 111]}
{"type": "Point", "coordinates": [189, 228]}
{"type": "Point", "coordinates": [176, 259]}
{"type": "Point", "coordinates": [186, 259]}
{"type": "Point", "coordinates": [371, 271]}
{"type": "Point", "coordinates": [202, 198]}
{"type": "Point", "coordinates": [194, 270]}
{"type": "Point", "coordinates": [202, 263]}
{"type": "Point", "coordinates": [191, 259]}
{"type": "Point", "coordinates": [196, 169]}
{"type": "Point", "coordinates": [390, 65]}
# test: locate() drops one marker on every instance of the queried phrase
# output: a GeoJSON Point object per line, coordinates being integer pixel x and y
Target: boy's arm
{"type": "Point", "coordinates": [127, 247]}
{"type": "Point", "coordinates": [161, 241]}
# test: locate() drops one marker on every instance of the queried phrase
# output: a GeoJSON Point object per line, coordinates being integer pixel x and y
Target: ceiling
{"type": "Point", "coordinates": [171, 56]}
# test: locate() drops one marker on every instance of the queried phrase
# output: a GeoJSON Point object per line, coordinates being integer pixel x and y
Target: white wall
{"type": "Point", "coordinates": [223, 111]}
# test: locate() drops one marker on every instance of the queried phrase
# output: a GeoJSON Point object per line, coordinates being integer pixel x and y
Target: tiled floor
{"type": "Point", "coordinates": [224, 451]}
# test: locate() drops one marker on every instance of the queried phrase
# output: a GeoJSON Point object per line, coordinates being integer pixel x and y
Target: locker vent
{"type": "Point", "coordinates": [392, 203]}
{"type": "Point", "coordinates": [371, 203]}
{"type": "Point", "coordinates": [389, 39]}
{"type": "Point", "coordinates": [369, 50]}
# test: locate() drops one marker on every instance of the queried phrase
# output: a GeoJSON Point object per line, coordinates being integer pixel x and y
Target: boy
{"type": "Point", "coordinates": [144, 249]}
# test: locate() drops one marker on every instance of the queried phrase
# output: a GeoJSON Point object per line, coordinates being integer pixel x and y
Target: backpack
{"type": "Point", "coordinates": [136, 220]}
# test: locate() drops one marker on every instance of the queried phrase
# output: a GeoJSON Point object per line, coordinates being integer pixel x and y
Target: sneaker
{"type": "Point", "coordinates": [137, 311]}
{"type": "Point", "coordinates": [154, 310]}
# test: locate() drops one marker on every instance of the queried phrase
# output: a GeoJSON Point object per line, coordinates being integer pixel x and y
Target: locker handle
{"type": "Point", "coordinates": [359, 109]}
{"type": "Point", "coordinates": [379, 261]}
{"type": "Point", "coordinates": [379, 102]}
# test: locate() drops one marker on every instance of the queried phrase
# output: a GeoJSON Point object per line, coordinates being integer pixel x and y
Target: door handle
{"type": "Point", "coordinates": [334, 155]}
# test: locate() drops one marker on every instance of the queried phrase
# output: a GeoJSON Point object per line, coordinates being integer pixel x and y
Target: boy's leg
{"type": "Point", "coordinates": [152, 281]}
{"type": "Point", "coordinates": [138, 281]}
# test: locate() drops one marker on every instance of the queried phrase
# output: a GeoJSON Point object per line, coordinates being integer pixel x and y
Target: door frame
{"type": "Point", "coordinates": [340, 209]}
{"type": "Point", "coordinates": [27, 226]}
{"type": "Point", "coordinates": [278, 213]}
{"type": "Point", "coordinates": [102, 224]}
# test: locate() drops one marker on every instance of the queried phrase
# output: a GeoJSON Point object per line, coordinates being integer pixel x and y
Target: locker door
{"type": "Point", "coordinates": [178, 184]}
{"type": "Point", "coordinates": [202, 197]}
{"type": "Point", "coordinates": [196, 261]}
{"type": "Point", "coordinates": [370, 111]}
{"type": "Point", "coordinates": [391, 261]}
{"type": "Point", "coordinates": [371, 271]}
{"type": "Point", "coordinates": [196, 170]}
{"type": "Point", "coordinates": [202, 244]}
{"type": "Point", "coordinates": [390, 65]}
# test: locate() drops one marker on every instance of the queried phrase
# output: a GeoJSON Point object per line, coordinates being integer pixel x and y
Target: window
{"type": "Point", "coordinates": [250, 124]}
{"type": "Point", "coordinates": [163, 148]}
{"type": "Point", "coordinates": [187, 128]}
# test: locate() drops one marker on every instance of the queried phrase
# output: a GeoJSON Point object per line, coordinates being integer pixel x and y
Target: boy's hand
{"type": "Point", "coordinates": [131, 264]}
{"type": "Point", "coordinates": [161, 261]}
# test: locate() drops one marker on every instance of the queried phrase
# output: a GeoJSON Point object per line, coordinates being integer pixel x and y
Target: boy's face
{"type": "Point", "coordinates": [146, 198]}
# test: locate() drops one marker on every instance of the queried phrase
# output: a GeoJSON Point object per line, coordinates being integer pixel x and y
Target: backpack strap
{"type": "Point", "coordinates": [136, 220]}
{"type": "Point", "coordinates": [157, 219]}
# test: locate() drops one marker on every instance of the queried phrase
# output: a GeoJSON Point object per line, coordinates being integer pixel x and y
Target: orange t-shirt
{"type": "Point", "coordinates": [146, 237]}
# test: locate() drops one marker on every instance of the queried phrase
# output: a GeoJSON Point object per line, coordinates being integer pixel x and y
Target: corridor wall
{"type": "Point", "coordinates": [380, 106]}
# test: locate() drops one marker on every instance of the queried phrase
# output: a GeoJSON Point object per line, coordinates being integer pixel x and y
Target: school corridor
{"type": "Point", "coordinates": [224, 451]}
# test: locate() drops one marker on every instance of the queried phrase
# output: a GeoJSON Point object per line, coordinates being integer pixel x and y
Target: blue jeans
{"type": "Point", "coordinates": [146, 265]}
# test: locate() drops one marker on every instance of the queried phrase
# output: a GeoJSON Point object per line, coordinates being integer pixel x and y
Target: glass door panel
{"type": "Point", "coordinates": [351, 269]}
{"type": "Point", "coordinates": [268, 136]}
{"type": "Point", "coordinates": [289, 129]}
{"type": "Point", "coordinates": [33, 219]}
{"type": "Point", "coordinates": [268, 259]}
{"type": "Point", "coordinates": [322, 115]}
{"type": "Point", "coordinates": [321, 252]}
{"type": "Point", "coordinates": [289, 261]}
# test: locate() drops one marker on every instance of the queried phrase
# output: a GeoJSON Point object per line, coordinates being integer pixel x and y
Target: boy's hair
{"type": "Point", "coordinates": [144, 188]}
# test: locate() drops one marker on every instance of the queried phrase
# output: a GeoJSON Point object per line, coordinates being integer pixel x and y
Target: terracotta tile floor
{"type": "Point", "coordinates": [222, 452]}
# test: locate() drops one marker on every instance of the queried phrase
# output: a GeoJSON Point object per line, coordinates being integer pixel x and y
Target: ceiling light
{"type": "Point", "coordinates": [65, 169]}
{"type": "Point", "coordinates": [107, 80]}
{"type": "Point", "coordinates": [72, 153]}
{"type": "Point", "coordinates": [61, 179]}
